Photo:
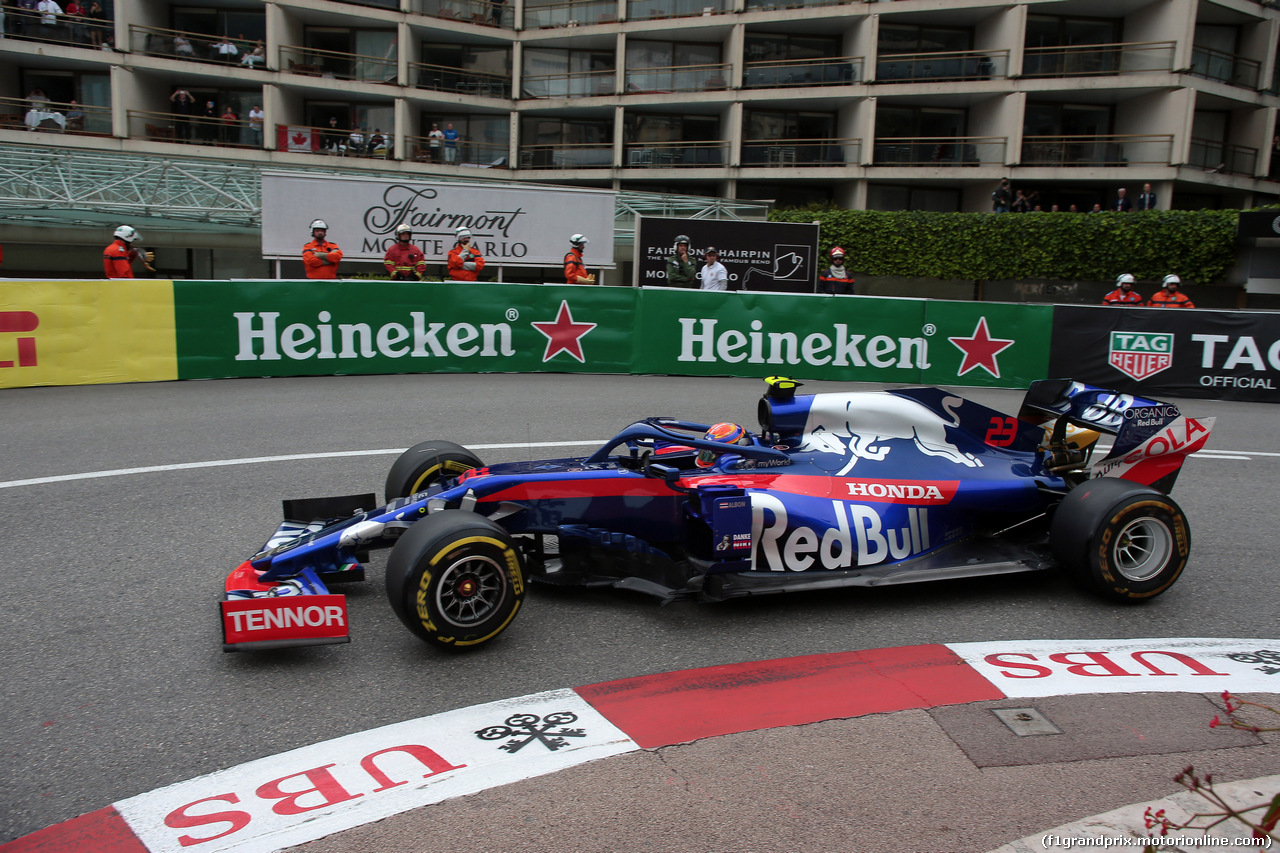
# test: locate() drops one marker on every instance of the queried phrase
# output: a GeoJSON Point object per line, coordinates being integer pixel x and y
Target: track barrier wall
{"type": "Point", "coordinates": [92, 332]}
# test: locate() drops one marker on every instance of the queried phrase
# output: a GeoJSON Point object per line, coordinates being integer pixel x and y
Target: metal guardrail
{"type": "Point", "coordinates": [194, 130]}
{"type": "Point", "coordinates": [441, 78]}
{"type": "Point", "coordinates": [1095, 60]}
{"type": "Point", "coordinates": [480, 155]}
{"type": "Point", "coordinates": [196, 47]}
{"type": "Point", "coordinates": [493, 13]}
{"type": "Point", "coordinates": [74, 30]}
{"type": "Point", "coordinates": [675, 155]}
{"type": "Point", "coordinates": [939, 151]}
{"type": "Point", "coordinates": [311, 62]}
{"type": "Point", "coordinates": [777, 153]}
{"type": "Point", "coordinates": [581, 84]}
{"type": "Point", "coordinates": [1225, 67]}
{"type": "Point", "coordinates": [942, 66]}
{"type": "Point", "coordinates": [677, 78]}
{"type": "Point", "coordinates": [791, 73]}
{"type": "Point", "coordinates": [575, 13]}
{"type": "Point", "coordinates": [55, 116]}
{"type": "Point", "coordinates": [1221, 157]}
{"type": "Point", "coordinates": [1098, 150]}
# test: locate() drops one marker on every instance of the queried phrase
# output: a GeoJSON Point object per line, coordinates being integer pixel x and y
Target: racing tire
{"type": "Point", "coordinates": [455, 579]}
{"type": "Point", "coordinates": [1123, 540]}
{"type": "Point", "coordinates": [424, 464]}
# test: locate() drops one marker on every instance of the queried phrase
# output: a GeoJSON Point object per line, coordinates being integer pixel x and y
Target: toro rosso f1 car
{"type": "Point", "coordinates": [835, 490]}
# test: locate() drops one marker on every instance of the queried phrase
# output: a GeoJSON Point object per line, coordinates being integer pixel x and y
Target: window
{"type": "Point", "coordinates": [779, 47]}
{"type": "Point", "coordinates": [905, 38]}
{"type": "Point", "coordinates": [238, 24]}
{"type": "Point", "coordinates": [664, 54]}
{"type": "Point", "coordinates": [766, 125]}
{"type": "Point", "coordinates": [916, 122]}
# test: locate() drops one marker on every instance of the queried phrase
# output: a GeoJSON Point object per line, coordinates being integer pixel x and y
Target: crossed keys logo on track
{"type": "Point", "coordinates": [524, 729]}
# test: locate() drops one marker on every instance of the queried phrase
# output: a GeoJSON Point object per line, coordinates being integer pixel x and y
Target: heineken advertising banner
{"type": "Point", "coordinates": [516, 226]}
{"type": "Point", "coordinates": [758, 256]}
{"type": "Point", "coordinates": [269, 328]}
{"type": "Point", "coordinates": [909, 341]}
{"type": "Point", "coordinates": [1219, 355]}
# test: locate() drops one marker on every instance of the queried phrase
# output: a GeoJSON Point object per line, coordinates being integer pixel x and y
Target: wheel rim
{"type": "Point", "coordinates": [470, 590]}
{"type": "Point", "coordinates": [1142, 549]}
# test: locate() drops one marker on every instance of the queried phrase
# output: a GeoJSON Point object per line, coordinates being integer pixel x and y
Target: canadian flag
{"type": "Point", "coordinates": [298, 139]}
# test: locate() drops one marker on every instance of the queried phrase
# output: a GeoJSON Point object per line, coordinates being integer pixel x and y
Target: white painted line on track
{"type": "Point", "coordinates": [1243, 456]}
{"type": "Point", "coordinates": [257, 460]}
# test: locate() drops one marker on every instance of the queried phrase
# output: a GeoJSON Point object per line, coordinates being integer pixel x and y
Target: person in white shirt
{"type": "Point", "coordinates": [49, 12]}
{"type": "Point", "coordinates": [713, 274]}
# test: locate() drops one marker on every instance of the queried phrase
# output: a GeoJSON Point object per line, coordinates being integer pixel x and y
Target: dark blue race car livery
{"type": "Point", "coordinates": [840, 489]}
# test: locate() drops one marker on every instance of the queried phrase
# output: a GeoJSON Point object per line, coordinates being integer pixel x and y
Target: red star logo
{"type": "Point", "coordinates": [564, 334]}
{"type": "Point", "coordinates": [981, 350]}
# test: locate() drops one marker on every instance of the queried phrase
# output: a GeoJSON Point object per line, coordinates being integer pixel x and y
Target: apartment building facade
{"type": "Point", "coordinates": [911, 104]}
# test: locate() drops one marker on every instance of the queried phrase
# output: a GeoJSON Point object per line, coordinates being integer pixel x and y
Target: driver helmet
{"type": "Point", "coordinates": [1123, 279]}
{"type": "Point", "coordinates": [681, 238]}
{"type": "Point", "coordinates": [126, 233]}
{"type": "Point", "coordinates": [319, 223]}
{"type": "Point", "coordinates": [1172, 280]}
{"type": "Point", "coordinates": [462, 233]}
{"type": "Point", "coordinates": [837, 255]}
{"type": "Point", "coordinates": [578, 240]}
{"type": "Point", "coordinates": [403, 228]}
{"type": "Point", "coordinates": [724, 433]}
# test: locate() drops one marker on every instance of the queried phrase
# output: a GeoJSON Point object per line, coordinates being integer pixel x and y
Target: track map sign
{"type": "Point", "coordinates": [759, 256]}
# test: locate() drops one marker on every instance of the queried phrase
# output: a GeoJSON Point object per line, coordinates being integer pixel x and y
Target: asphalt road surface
{"type": "Point", "coordinates": [113, 678]}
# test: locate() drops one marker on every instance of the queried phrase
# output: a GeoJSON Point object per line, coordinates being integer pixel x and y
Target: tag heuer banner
{"type": "Point", "coordinates": [1219, 355]}
{"type": "Point", "coordinates": [759, 256]}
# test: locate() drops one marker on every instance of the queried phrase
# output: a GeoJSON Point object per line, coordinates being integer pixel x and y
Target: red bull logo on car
{"type": "Point", "coordinates": [858, 536]}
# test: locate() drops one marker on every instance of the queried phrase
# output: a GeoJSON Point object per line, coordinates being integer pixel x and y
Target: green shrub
{"type": "Point", "coordinates": [1199, 245]}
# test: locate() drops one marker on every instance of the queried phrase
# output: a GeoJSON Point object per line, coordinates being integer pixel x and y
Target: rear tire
{"type": "Point", "coordinates": [425, 463]}
{"type": "Point", "coordinates": [1123, 540]}
{"type": "Point", "coordinates": [455, 579]}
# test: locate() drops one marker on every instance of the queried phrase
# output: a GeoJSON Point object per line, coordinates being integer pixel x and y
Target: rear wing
{"type": "Point", "coordinates": [1152, 438]}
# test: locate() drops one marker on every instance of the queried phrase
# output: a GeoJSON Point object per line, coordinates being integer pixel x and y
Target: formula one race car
{"type": "Point", "coordinates": [836, 490]}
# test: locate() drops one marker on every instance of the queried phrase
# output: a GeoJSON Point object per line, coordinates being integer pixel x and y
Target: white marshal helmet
{"type": "Point", "coordinates": [319, 223]}
{"type": "Point", "coordinates": [403, 228]}
{"type": "Point", "coordinates": [1171, 279]}
{"type": "Point", "coordinates": [126, 233]}
{"type": "Point", "coordinates": [578, 240]}
{"type": "Point", "coordinates": [1124, 278]}
{"type": "Point", "coordinates": [462, 232]}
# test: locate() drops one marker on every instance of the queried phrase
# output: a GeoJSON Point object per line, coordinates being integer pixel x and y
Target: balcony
{"type": "Point", "coordinates": [1098, 60]}
{"type": "Point", "coordinates": [440, 78]}
{"type": "Point", "coordinates": [1224, 67]}
{"type": "Point", "coordinates": [333, 65]}
{"type": "Point", "coordinates": [679, 78]}
{"type": "Point", "coordinates": [1154, 149]}
{"type": "Point", "coordinates": [74, 31]}
{"type": "Point", "coordinates": [939, 151]}
{"type": "Point", "coordinates": [479, 155]}
{"type": "Point", "coordinates": [491, 13]}
{"type": "Point", "coordinates": [194, 47]}
{"type": "Point", "coordinates": [573, 14]}
{"type": "Point", "coordinates": [935, 67]}
{"type": "Point", "coordinates": [769, 5]}
{"type": "Point", "coordinates": [54, 117]}
{"type": "Point", "coordinates": [672, 155]}
{"type": "Point", "coordinates": [830, 71]}
{"type": "Point", "coordinates": [577, 84]}
{"type": "Point", "coordinates": [167, 127]}
{"type": "Point", "coordinates": [338, 142]}
{"type": "Point", "coordinates": [777, 153]}
{"type": "Point", "coordinates": [647, 10]}
{"type": "Point", "coordinates": [567, 155]}
{"type": "Point", "coordinates": [1221, 157]}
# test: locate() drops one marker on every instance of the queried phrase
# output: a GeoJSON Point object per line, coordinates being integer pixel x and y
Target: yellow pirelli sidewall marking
{"type": "Point", "coordinates": [87, 332]}
{"type": "Point", "coordinates": [513, 575]}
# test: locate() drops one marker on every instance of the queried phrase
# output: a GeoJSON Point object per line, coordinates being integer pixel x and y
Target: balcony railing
{"type": "Point", "coordinates": [787, 73]}
{"type": "Point", "coordinates": [338, 66]}
{"type": "Point", "coordinates": [167, 127]}
{"type": "Point", "coordinates": [481, 155]}
{"type": "Point", "coordinates": [685, 155]}
{"type": "Point", "coordinates": [441, 78]}
{"type": "Point", "coordinates": [492, 13]}
{"type": "Point", "coordinates": [20, 113]}
{"type": "Point", "coordinates": [573, 14]}
{"type": "Point", "coordinates": [1225, 67]}
{"type": "Point", "coordinates": [801, 152]}
{"type": "Point", "coordinates": [1101, 150]}
{"type": "Point", "coordinates": [65, 29]}
{"type": "Point", "coordinates": [768, 5]}
{"type": "Point", "coordinates": [680, 78]}
{"type": "Point", "coordinates": [335, 141]}
{"type": "Point", "coordinates": [1220, 157]}
{"type": "Point", "coordinates": [645, 10]}
{"type": "Point", "coordinates": [567, 155]}
{"type": "Point", "coordinates": [581, 84]}
{"type": "Point", "coordinates": [939, 151]}
{"type": "Point", "coordinates": [195, 47]}
{"type": "Point", "coordinates": [958, 65]}
{"type": "Point", "coordinates": [1096, 60]}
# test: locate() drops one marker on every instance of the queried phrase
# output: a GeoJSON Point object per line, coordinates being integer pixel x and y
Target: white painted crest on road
{"type": "Point", "coordinates": [1029, 668]}
{"type": "Point", "coordinates": [328, 787]}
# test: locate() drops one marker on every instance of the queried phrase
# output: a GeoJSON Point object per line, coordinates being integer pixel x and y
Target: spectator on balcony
{"type": "Point", "coordinates": [184, 107]}
{"type": "Point", "coordinates": [495, 11]}
{"type": "Point", "coordinates": [96, 22]}
{"type": "Point", "coordinates": [182, 48]}
{"type": "Point", "coordinates": [334, 136]}
{"type": "Point", "coordinates": [24, 19]}
{"type": "Point", "coordinates": [255, 58]}
{"type": "Point", "coordinates": [49, 10]}
{"type": "Point", "coordinates": [209, 122]}
{"type": "Point", "coordinates": [1002, 197]}
{"type": "Point", "coordinates": [38, 99]}
{"type": "Point", "coordinates": [1021, 204]}
{"type": "Point", "coordinates": [355, 142]}
{"type": "Point", "coordinates": [435, 142]}
{"type": "Point", "coordinates": [225, 50]}
{"type": "Point", "coordinates": [1147, 199]}
{"type": "Point", "coordinates": [75, 21]}
{"type": "Point", "coordinates": [1169, 296]}
{"type": "Point", "coordinates": [451, 138]}
{"type": "Point", "coordinates": [75, 117]}
{"type": "Point", "coordinates": [376, 141]}
{"type": "Point", "coordinates": [1122, 203]}
{"type": "Point", "coordinates": [256, 119]}
{"type": "Point", "coordinates": [227, 129]}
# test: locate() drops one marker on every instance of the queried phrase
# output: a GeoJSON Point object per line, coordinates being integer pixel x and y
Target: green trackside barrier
{"type": "Point", "coordinates": [272, 328]}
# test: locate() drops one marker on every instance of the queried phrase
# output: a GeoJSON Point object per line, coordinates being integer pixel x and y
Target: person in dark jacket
{"type": "Point", "coordinates": [835, 279]}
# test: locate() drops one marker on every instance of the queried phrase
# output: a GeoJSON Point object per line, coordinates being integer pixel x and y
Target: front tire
{"type": "Point", "coordinates": [425, 463]}
{"type": "Point", "coordinates": [1123, 540]}
{"type": "Point", "coordinates": [455, 579]}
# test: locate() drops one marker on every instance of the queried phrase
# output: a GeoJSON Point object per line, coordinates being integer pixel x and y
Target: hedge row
{"type": "Point", "coordinates": [1199, 245]}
